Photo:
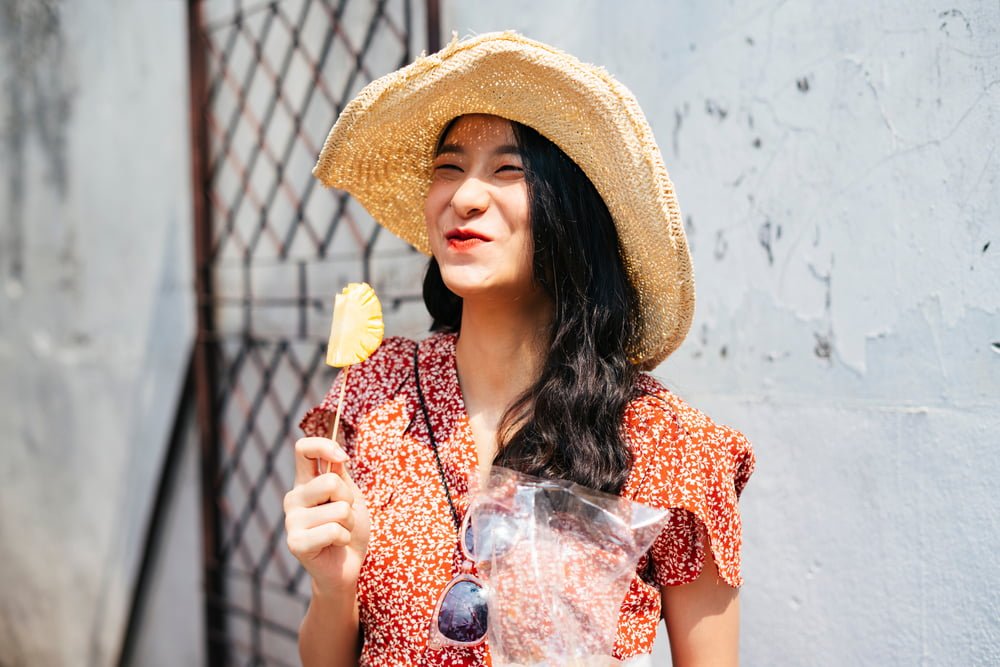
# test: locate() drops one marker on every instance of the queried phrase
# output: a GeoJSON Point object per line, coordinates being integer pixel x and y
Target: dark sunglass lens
{"type": "Point", "coordinates": [470, 540]}
{"type": "Point", "coordinates": [463, 612]}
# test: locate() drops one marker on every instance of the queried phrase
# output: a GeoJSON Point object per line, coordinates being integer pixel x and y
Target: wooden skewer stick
{"type": "Point", "coordinates": [340, 408]}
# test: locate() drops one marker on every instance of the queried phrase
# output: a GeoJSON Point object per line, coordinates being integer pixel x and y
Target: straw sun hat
{"type": "Point", "coordinates": [381, 148]}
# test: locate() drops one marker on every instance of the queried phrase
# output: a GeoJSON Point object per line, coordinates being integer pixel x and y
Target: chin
{"type": "Point", "coordinates": [468, 288]}
{"type": "Point", "coordinates": [464, 278]}
{"type": "Point", "coordinates": [475, 280]}
{"type": "Point", "coordinates": [493, 291]}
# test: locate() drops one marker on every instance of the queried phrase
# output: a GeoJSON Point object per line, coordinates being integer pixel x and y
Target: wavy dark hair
{"type": "Point", "coordinates": [567, 425]}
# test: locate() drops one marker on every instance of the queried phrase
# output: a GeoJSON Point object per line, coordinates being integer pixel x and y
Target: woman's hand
{"type": "Point", "coordinates": [326, 518]}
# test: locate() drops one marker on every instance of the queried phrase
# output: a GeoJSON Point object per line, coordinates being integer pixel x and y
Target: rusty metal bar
{"type": "Point", "coordinates": [433, 26]}
{"type": "Point", "coordinates": [204, 352]}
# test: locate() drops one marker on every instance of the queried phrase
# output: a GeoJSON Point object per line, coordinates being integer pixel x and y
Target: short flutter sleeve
{"type": "Point", "coordinates": [368, 383]}
{"type": "Point", "coordinates": [685, 462]}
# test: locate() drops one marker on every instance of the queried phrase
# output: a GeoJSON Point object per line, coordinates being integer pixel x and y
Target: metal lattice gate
{"type": "Point", "coordinates": [272, 246]}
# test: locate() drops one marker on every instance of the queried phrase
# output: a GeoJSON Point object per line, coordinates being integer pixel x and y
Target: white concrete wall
{"type": "Point", "coordinates": [96, 314]}
{"type": "Point", "coordinates": [169, 626]}
{"type": "Point", "coordinates": [838, 168]}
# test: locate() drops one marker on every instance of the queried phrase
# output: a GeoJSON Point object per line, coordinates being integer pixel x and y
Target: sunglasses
{"type": "Point", "coordinates": [461, 615]}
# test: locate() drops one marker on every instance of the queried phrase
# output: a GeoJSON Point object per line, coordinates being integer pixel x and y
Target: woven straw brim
{"type": "Point", "coordinates": [381, 148]}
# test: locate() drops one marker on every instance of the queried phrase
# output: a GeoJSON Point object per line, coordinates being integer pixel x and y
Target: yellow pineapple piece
{"type": "Point", "coordinates": [357, 326]}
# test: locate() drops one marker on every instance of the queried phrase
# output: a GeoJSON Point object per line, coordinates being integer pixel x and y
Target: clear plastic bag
{"type": "Point", "coordinates": [557, 560]}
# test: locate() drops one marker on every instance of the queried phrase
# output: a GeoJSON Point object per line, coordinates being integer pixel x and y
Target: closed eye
{"type": "Point", "coordinates": [447, 171]}
{"type": "Point", "coordinates": [509, 172]}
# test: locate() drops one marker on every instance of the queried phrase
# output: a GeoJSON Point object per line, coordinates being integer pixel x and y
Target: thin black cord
{"type": "Point", "coordinates": [430, 433]}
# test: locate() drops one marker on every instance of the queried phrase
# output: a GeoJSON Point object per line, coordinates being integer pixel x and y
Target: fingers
{"type": "Point", "coordinates": [358, 495]}
{"type": "Point", "coordinates": [306, 542]}
{"type": "Point", "coordinates": [304, 518]}
{"type": "Point", "coordinates": [329, 487]}
{"type": "Point", "coordinates": [319, 514]}
{"type": "Point", "coordinates": [312, 451]}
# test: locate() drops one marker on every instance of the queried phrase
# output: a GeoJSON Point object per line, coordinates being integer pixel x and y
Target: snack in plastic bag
{"type": "Point", "coordinates": [557, 560]}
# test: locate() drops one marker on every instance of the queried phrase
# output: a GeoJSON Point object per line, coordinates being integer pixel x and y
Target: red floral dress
{"type": "Point", "coordinates": [682, 460]}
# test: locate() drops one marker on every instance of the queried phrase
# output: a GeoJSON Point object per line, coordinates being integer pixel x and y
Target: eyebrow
{"type": "Point", "coordinates": [456, 149]}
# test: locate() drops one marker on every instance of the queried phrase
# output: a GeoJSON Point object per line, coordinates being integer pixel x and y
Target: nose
{"type": "Point", "coordinates": [471, 198]}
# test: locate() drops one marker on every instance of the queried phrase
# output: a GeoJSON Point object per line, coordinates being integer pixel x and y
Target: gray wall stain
{"type": "Point", "coordinates": [713, 108]}
{"type": "Point", "coordinates": [825, 340]}
{"type": "Point", "coordinates": [764, 237]}
{"type": "Point", "coordinates": [37, 102]}
{"type": "Point", "coordinates": [950, 18]}
{"type": "Point", "coordinates": [679, 115]}
{"type": "Point", "coordinates": [689, 231]}
{"type": "Point", "coordinates": [823, 348]}
{"type": "Point", "coordinates": [721, 245]}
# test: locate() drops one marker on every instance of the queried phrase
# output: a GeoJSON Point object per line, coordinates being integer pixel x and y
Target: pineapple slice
{"type": "Point", "coordinates": [357, 326]}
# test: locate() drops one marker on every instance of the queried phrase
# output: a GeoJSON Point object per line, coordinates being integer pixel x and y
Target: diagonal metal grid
{"type": "Point", "coordinates": [268, 80]}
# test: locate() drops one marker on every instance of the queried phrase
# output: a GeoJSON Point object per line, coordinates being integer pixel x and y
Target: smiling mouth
{"type": "Point", "coordinates": [465, 239]}
{"type": "Point", "coordinates": [466, 235]}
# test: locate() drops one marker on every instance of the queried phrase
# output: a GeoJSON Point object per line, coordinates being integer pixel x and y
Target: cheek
{"type": "Point", "coordinates": [431, 203]}
{"type": "Point", "coordinates": [436, 201]}
{"type": "Point", "coordinates": [522, 216]}
{"type": "Point", "coordinates": [439, 193]}
{"type": "Point", "coordinates": [525, 243]}
{"type": "Point", "coordinates": [518, 209]}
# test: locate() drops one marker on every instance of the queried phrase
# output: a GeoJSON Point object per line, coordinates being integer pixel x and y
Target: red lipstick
{"type": "Point", "coordinates": [465, 239]}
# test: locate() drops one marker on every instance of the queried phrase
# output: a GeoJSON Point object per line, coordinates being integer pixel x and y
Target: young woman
{"type": "Point", "coordinates": [559, 270]}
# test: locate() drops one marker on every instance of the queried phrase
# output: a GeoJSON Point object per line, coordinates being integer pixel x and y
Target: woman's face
{"type": "Point", "coordinates": [477, 211]}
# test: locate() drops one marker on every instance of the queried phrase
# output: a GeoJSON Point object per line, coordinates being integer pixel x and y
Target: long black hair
{"type": "Point", "coordinates": [567, 425]}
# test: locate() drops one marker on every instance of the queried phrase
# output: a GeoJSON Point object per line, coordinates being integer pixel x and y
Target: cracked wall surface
{"type": "Point", "coordinates": [838, 167]}
{"type": "Point", "coordinates": [95, 309]}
